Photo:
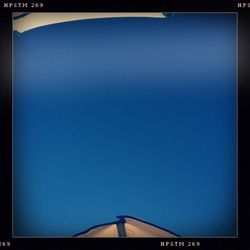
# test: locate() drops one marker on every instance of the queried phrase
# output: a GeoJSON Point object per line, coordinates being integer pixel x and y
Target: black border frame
{"type": "Point", "coordinates": [241, 242]}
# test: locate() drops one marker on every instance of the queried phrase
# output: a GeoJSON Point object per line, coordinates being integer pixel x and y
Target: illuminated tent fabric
{"type": "Point", "coordinates": [126, 226]}
{"type": "Point", "coordinates": [23, 21]}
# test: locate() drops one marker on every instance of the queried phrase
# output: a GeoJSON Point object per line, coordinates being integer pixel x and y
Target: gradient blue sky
{"type": "Point", "coordinates": [128, 116]}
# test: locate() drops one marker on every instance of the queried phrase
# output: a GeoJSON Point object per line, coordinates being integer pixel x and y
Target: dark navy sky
{"type": "Point", "coordinates": [128, 116]}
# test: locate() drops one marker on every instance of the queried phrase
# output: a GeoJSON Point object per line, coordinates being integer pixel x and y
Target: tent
{"type": "Point", "coordinates": [126, 226]}
{"type": "Point", "coordinates": [26, 21]}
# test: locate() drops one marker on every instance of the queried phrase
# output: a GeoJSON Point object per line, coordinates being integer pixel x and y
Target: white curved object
{"type": "Point", "coordinates": [22, 22]}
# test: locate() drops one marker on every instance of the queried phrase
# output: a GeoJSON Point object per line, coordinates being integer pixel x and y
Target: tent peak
{"type": "Point", "coordinates": [127, 226]}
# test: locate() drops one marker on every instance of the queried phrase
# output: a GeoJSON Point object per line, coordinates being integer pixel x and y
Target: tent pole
{"type": "Point", "coordinates": [121, 230]}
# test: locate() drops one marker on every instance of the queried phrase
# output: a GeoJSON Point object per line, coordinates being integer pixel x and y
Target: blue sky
{"type": "Point", "coordinates": [131, 116]}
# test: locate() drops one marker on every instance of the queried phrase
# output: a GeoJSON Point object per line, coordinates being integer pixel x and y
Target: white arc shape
{"type": "Point", "coordinates": [22, 23]}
